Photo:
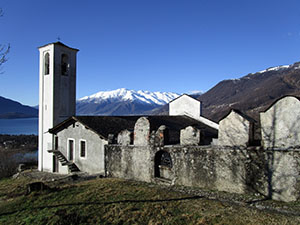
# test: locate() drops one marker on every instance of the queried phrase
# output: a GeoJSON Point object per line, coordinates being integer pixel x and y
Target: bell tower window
{"type": "Point", "coordinates": [65, 64]}
{"type": "Point", "coordinates": [47, 64]}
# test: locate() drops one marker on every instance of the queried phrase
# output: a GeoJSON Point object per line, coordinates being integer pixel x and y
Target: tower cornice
{"type": "Point", "coordinates": [59, 43]}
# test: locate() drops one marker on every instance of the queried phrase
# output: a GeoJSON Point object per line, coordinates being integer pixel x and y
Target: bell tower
{"type": "Point", "coordinates": [57, 95]}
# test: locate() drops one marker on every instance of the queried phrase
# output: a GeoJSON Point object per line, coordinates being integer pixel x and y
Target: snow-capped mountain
{"type": "Point", "coordinates": [122, 94]}
{"type": "Point", "coordinates": [251, 93]}
{"type": "Point", "coordinates": [122, 102]}
{"type": "Point", "coordinates": [277, 68]}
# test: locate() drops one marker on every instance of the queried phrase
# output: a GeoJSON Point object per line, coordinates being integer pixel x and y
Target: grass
{"type": "Point", "coordinates": [116, 201]}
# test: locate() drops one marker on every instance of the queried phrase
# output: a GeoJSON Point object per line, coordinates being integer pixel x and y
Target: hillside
{"type": "Point", "coordinates": [252, 93]}
{"type": "Point", "coordinates": [12, 109]}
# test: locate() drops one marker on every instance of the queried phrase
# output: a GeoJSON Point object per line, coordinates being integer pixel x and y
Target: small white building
{"type": "Point", "coordinates": [79, 142]}
{"type": "Point", "coordinates": [280, 124]}
{"type": "Point", "coordinates": [189, 106]}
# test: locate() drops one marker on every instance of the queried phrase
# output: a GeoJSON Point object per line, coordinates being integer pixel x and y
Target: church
{"type": "Point", "coordinates": [70, 143]}
{"type": "Point", "coordinates": [182, 148]}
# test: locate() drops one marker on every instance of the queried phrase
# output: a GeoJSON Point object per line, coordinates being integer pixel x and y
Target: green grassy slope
{"type": "Point", "coordinates": [115, 201]}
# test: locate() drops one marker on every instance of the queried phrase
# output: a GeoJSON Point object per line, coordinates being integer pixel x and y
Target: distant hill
{"type": "Point", "coordinates": [122, 102]}
{"type": "Point", "coordinates": [10, 109]}
{"type": "Point", "coordinates": [251, 94]}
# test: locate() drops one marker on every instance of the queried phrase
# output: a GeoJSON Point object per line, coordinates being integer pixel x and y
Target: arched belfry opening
{"type": "Point", "coordinates": [47, 64]}
{"type": "Point", "coordinates": [65, 65]}
{"type": "Point", "coordinates": [163, 165]}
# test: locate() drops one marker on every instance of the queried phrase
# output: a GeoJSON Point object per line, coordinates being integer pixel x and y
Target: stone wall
{"type": "Point", "coordinates": [129, 162]}
{"type": "Point", "coordinates": [237, 169]}
{"type": "Point", "coordinates": [280, 124]}
{"type": "Point", "coordinates": [190, 136]}
{"type": "Point", "coordinates": [234, 130]}
{"type": "Point", "coordinates": [141, 132]}
{"type": "Point", "coordinates": [284, 174]}
{"type": "Point", "coordinates": [224, 169]}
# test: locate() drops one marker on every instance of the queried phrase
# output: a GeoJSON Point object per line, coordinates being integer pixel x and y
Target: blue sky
{"type": "Point", "coordinates": [155, 45]}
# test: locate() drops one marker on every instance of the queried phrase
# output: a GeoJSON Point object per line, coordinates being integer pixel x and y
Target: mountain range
{"type": "Point", "coordinates": [122, 102]}
{"type": "Point", "coordinates": [252, 93]}
{"type": "Point", "coordinates": [12, 109]}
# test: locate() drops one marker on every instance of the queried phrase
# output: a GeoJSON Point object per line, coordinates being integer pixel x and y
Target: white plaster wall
{"type": "Point", "coordinates": [188, 106]}
{"type": "Point", "coordinates": [280, 125]}
{"type": "Point", "coordinates": [185, 105]}
{"type": "Point", "coordinates": [234, 130]}
{"type": "Point", "coordinates": [94, 160]}
{"type": "Point", "coordinates": [45, 110]}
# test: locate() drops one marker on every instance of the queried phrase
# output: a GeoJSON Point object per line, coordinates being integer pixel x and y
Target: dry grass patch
{"type": "Point", "coordinates": [116, 201]}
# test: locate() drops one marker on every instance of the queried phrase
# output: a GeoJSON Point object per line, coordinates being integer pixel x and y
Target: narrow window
{"type": "Point", "coordinates": [47, 64]}
{"type": "Point", "coordinates": [82, 148]}
{"type": "Point", "coordinates": [64, 64]}
{"type": "Point", "coordinates": [56, 143]}
{"type": "Point", "coordinates": [55, 164]}
{"type": "Point", "coordinates": [71, 150]}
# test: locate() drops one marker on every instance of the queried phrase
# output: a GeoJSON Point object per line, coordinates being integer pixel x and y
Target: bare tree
{"type": "Point", "coordinates": [4, 48]}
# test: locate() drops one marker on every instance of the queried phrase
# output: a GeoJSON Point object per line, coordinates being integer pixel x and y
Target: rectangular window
{"type": "Point", "coordinates": [56, 143]}
{"type": "Point", "coordinates": [82, 148]}
{"type": "Point", "coordinates": [71, 150]}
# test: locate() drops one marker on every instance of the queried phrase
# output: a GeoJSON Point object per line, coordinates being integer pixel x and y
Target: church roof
{"type": "Point", "coordinates": [105, 125]}
{"type": "Point", "coordinates": [191, 96]}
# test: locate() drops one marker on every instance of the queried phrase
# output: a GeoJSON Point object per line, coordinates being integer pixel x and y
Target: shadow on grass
{"type": "Point", "coordinates": [258, 200]}
{"type": "Point", "coordinates": [103, 203]}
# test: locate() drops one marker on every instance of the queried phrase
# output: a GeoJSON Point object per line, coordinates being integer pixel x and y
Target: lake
{"type": "Point", "coordinates": [19, 126]}
{"type": "Point", "coordinates": [26, 156]}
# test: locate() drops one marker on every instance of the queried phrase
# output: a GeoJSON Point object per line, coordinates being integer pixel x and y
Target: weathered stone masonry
{"type": "Point", "coordinates": [236, 169]}
{"type": "Point", "coordinates": [232, 170]}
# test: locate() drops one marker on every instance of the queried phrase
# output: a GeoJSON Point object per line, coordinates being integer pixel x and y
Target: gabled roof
{"type": "Point", "coordinates": [245, 116]}
{"type": "Point", "coordinates": [59, 43]}
{"type": "Point", "coordinates": [105, 125]}
{"type": "Point", "coordinates": [184, 95]}
{"type": "Point", "coordinates": [101, 125]}
{"type": "Point", "coordinates": [279, 100]}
